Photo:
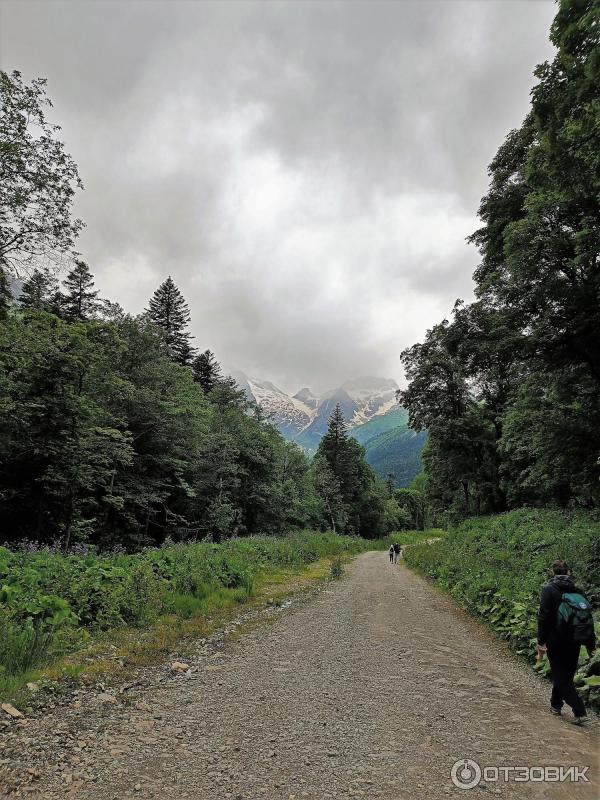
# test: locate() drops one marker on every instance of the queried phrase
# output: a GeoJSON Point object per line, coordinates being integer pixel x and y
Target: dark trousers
{"type": "Point", "coordinates": [563, 663]}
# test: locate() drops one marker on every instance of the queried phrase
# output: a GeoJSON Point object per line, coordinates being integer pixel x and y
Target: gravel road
{"type": "Point", "coordinates": [371, 688]}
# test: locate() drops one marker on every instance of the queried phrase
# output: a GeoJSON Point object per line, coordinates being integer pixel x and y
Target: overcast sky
{"type": "Point", "coordinates": [306, 171]}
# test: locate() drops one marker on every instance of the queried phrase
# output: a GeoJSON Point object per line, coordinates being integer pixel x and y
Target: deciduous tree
{"type": "Point", "coordinates": [38, 179]}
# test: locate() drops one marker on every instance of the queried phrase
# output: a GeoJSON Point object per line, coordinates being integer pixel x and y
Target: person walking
{"type": "Point", "coordinates": [565, 623]}
{"type": "Point", "coordinates": [396, 552]}
{"type": "Point", "coordinates": [391, 553]}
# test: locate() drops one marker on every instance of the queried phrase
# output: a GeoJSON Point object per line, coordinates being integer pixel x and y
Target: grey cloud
{"type": "Point", "coordinates": [307, 172]}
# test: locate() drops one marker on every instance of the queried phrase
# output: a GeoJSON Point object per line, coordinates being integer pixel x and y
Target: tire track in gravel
{"type": "Point", "coordinates": [373, 688]}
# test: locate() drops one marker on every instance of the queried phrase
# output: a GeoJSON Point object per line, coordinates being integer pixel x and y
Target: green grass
{"type": "Point", "coordinates": [495, 566]}
{"type": "Point", "coordinates": [52, 605]}
{"type": "Point", "coordinates": [405, 538]}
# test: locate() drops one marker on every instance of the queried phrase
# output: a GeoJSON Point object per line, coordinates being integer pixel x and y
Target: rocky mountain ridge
{"type": "Point", "coordinates": [303, 417]}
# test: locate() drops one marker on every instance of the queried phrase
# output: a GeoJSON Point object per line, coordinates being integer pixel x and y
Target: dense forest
{"type": "Point", "coordinates": [509, 387]}
{"type": "Point", "coordinates": [114, 430]}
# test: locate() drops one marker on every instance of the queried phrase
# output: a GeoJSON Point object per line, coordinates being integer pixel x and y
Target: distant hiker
{"type": "Point", "coordinates": [391, 552]}
{"type": "Point", "coordinates": [565, 623]}
{"type": "Point", "coordinates": [396, 552]}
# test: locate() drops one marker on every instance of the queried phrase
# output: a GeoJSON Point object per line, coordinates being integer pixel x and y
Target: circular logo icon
{"type": "Point", "coordinates": [465, 773]}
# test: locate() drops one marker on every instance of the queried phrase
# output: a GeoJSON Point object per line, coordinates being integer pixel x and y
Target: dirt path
{"type": "Point", "coordinates": [373, 688]}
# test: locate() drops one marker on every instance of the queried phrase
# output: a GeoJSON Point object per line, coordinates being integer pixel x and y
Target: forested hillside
{"type": "Point", "coordinates": [391, 447]}
{"type": "Point", "coordinates": [509, 386]}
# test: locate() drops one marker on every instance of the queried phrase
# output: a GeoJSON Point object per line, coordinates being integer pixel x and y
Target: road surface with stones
{"type": "Point", "coordinates": [373, 687]}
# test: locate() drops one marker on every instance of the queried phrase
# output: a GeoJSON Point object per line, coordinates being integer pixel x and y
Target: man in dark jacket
{"type": "Point", "coordinates": [563, 654]}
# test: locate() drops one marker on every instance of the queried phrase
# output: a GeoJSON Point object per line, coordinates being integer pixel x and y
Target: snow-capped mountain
{"type": "Point", "coordinates": [369, 406]}
{"type": "Point", "coordinates": [303, 417]}
{"type": "Point", "coordinates": [290, 414]}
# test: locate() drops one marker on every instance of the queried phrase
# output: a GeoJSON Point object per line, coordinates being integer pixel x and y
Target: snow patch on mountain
{"type": "Point", "coordinates": [308, 398]}
{"type": "Point", "coordinates": [290, 414]}
{"type": "Point", "coordinates": [372, 409]}
{"type": "Point", "coordinates": [275, 401]}
{"type": "Point", "coordinates": [304, 416]}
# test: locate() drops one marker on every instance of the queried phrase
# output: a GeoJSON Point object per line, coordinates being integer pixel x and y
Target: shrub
{"type": "Point", "coordinates": [336, 568]}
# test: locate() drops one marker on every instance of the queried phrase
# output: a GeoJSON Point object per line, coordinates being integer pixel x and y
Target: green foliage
{"type": "Point", "coordinates": [105, 439]}
{"type": "Point", "coordinates": [50, 604]}
{"type": "Point", "coordinates": [329, 491]}
{"type": "Point", "coordinates": [170, 313]}
{"type": "Point", "coordinates": [38, 179]}
{"type": "Point", "coordinates": [207, 371]}
{"type": "Point", "coordinates": [496, 565]}
{"type": "Point", "coordinates": [353, 497]}
{"type": "Point", "coordinates": [5, 294]}
{"type": "Point", "coordinates": [391, 446]}
{"type": "Point", "coordinates": [410, 537]}
{"type": "Point", "coordinates": [79, 301]}
{"type": "Point", "coordinates": [336, 568]}
{"type": "Point", "coordinates": [38, 292]}
{"type": "Point", "coordinates": [509, 389]}
{"type": "Point", "coordinates": [413, 504]}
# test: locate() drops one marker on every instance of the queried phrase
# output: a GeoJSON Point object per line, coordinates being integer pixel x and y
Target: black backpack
{"type": "Point", "coordinates": [574, 618]}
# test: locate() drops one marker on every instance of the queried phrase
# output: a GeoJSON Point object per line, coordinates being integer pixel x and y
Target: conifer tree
{"type": "Point", "coordinates": [333, 443]}
{"type": "Point", "coordinates": [168, 310]}
{"type": "Point", "coordinates": [390, 484]}
{"type": "Point", "coordinates": [207, 370]}
{"type": "Point", "coordinates": [79, 300]}
{"type": "Point", "coordinates": [361, 494]}
{"type": "Point", "coordinates": [37, 291]}
{"type": "Point", "coordinates": [56, 303]}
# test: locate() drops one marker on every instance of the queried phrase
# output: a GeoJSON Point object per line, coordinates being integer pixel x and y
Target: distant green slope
{"type": "Point", "coordinates": [395, 418]}
{"type": "Point", "coordinates": [391, 446]}
{"type": "Point", "coordinates": [397, 451]}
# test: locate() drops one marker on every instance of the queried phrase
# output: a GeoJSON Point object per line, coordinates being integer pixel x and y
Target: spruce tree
{"type": "Point", "coordinates": [168, 310]}
{"type": "Point", "coordinates": [333, 444]}
{"type": "Point", "coordinates": [79, 300]}
{"type": "Point", "coordinates": [361, 493]}
{"type": "Point", "coordinates": [37, 292]}
{"type": "Point", "coordinates": [207, 370]}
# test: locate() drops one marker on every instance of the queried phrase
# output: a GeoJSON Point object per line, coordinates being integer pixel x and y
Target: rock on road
{"type": "Point", "coordinates": [371, 688]}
